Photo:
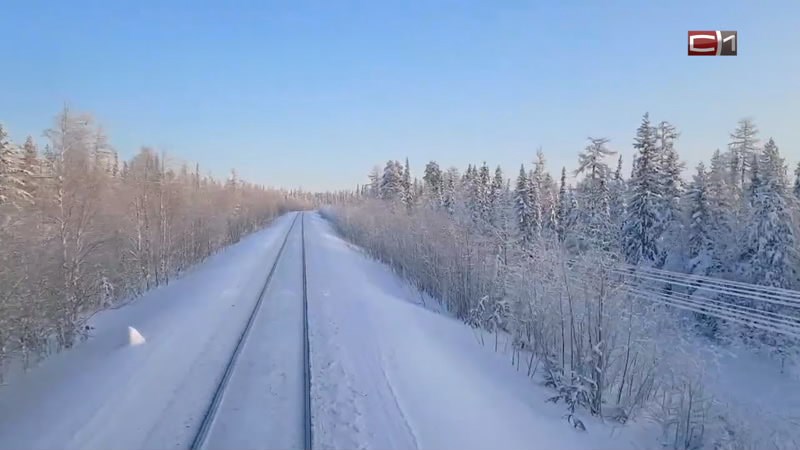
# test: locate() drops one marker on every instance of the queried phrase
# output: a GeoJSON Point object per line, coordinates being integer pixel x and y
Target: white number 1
{"type": "Point", "coordinates": [731, 38]}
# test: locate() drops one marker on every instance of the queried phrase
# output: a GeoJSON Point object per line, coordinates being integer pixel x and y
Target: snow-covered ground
{"type": "Point", "coordinates": [103, 394]}
{"type": "Point", "coordinates": [387, 373]}
{"type": "Point", "coordinates": [263, 404]}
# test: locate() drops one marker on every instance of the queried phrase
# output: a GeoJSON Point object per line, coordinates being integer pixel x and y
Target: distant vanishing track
{"type": "Point", "coordinates": [211, 412]}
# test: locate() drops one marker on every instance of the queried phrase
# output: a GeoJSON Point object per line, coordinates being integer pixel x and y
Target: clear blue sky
{"type": "Point", "coordinates": [314, 94]}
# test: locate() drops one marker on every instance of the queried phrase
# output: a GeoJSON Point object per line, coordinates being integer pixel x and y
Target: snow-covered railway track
{"type": "Point", "coordinates": [217, 414]}
{"type": "Point", "coordinates": [307, 429]}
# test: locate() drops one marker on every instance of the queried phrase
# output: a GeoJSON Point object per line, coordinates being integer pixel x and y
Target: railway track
{"type": "Point", "coordinates": [211, 413]}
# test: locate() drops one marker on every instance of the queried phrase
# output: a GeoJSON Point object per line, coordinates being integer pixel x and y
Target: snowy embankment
{"type": "Point", "coordinates": [106, 394]}
{"type": "Point", "coordinates": [387, 373]}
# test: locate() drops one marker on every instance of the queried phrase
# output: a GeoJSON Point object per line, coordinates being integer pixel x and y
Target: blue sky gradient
{"type": "Point", "coordinates": [313, 94]}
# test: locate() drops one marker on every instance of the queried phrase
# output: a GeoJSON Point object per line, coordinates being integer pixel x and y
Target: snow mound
{"type": "Point", "coordinates": [134, 337]}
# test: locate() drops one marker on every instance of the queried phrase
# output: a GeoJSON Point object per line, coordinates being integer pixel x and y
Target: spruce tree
{"type": "Point", "coordinates": [701, 230]}
{"type": "Point", "coordinates": [535, 205]}
{"type": "Point", "coordinates": [496, 197]}
{"type": "Point", "coordinates": [30, 165]}
{"type": "Point", "coordinates": [643, 220]}
{"type": "Point", "coordinates": [391, 185]}
{"type": "Point", "coordinates": [797, 181]}
{"type": "Point", "coordinates": [522, 206]}
{"type": "Point", "coordinates": [595, 218]}
{"type": "Point", "coordinates": [433, 184]}
{"type": "Point", "coordinates": [769, 242]}
{"type": "Point", "coordinates": [617, 198]}
{"type": "Point", "coordinates": [672, 190]}
{"type": "Point", "coordinates": [482, 191]}
{"type": "Point", "coordinates": [407, 188]}
{"type": "Point", "coordinates": [562, 213]}
{"type": "Point", "coordinates": [449, 191]}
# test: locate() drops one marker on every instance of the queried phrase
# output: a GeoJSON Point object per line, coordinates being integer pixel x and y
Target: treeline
{"type": "Point", "coordinates": [533, 258]}
{"type": "Point", "coordinates": [81, 230]}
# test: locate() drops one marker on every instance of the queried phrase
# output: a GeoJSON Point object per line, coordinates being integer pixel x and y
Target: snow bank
{"type": "Point", "coordinates": [388, 373]}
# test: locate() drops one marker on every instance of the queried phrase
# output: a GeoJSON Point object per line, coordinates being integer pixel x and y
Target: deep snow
{"type": "Point", "coordinates": [105, 394]}
{"type": "Point", "coordinates": [388, 373]}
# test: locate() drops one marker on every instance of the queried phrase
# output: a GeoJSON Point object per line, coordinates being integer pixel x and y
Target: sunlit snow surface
{"type": "Point", "coordinates": [387, 371]}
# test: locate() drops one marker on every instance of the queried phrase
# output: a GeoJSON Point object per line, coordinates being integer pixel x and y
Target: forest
{"type": "Point", "coordinates": [82, 230]}
{"type": "Point", "coordinates": [613, 288]}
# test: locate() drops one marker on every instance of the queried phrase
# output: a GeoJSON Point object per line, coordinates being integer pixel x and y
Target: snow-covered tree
{"type": "Point", "coordinates": [12, 182]}
{"type": "Point", "coordinates": [701, 230]}
{"type": "Point", "coordinates": [391, 186]}
{"type": "Point", "coordinates": [407, 194]}
{"type": "Point", "coordinates": [595, 216]}
{"type": "Point", "coordinates": [796, 189]}
{"type": "Point", "coordinates": [616, 204]}
{"type": "Point", "coordinates": [644, 218]}
{"type": "Point", "coordinates": [433, 184]}
{"type": "Point", "coordinates": [449, 191]}
{"type": "Point", "coordinates": [534, 204]}
{"type": "Point", "coordinates": [671, 169]}
{"type": "Point", "coordinates": [564, 207]}
{"type": "Point", "coordinates": [769, 241]}
{"type": "Point", "coordinates": [497, 198]}
{"type": "Point", "coordinates": [483, 195]}
{"type": "Point", "coordinates": [374, 186]}
{"type": "Point", "coordinates": [742, 148]}
{"type": "Point", "coordinates": [522, 206]}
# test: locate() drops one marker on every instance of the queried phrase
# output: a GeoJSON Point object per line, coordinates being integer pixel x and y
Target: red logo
{"type": "Point", "coordinates": [712, 43]}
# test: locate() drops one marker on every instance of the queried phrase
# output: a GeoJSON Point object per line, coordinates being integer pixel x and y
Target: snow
{"type": "Point", "coordinates": [263, 401]}
{"type": "Point", "coordinates": [134, 337]}
{"type": "Point", "coordinates": [101, 395]}
{"type": "Point", "coordinates": [388, 373]}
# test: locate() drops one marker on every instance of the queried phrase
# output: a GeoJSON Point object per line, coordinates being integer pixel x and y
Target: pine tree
{"type": "Point", "coordinates": [496, 197]}
{"type": "Point", "coordinates": [12, 183]}
{"type": "Point", "coordinates": [617, 198]}
{"type": "Point", "coordinates": [483, 200]}
{"type": "Point", "coordinates": [562, 213]}
{"type": "Point", "coordinates": [742, 147]}
{"type": "Point", "coordinates": [672, 167]}
{"type": "Point", "coordinates": [773, 166]}
{"type": "Point", "coordinates": [375, 182]}
{"type": "Point", "coordinates": [595, 217]}
{"type": "Point", "coordinates": [391, 185]}
{"type": "Point", "coordinates": [534, 205]}
{"type": "Point", "coordinates": [591, 162]}
{"type": "Point", "coordinates": [643, 220]}
{"type": "Point", "coordinates": [449, 191]}
{"type": "Point", "coordinates": [30, 155]}
{"type": "Point", "coordinates": [702, 257]}
{"type": "Point", "coordinates": [433, 184]}
{"type": "Point", "coordinates": [721, 203]}
{"type": "Point", "coordinates": [30, 165]}
{"type": "Point", "coordinates": [522, 206]}
{"type": "Point", "coordinates": [115, 166]}
{"type": "Point", "coordinates": [546, 194]}
{"type": "Point", "coordinates": [671, 170]}
{"type": "Point", "coordinates": [407, 188]}
{"type": "Point", "coordinates": [769, 241]}
{"type": "Point", "coordinates": [797, 181]}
